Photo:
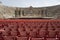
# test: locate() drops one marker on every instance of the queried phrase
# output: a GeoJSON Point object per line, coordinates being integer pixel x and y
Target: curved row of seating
{"type": "Point", "coordinates": [25, 38]}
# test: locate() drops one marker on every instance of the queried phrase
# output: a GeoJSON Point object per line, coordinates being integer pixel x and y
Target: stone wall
{"type": "Point", "coordinates": [30, 12]}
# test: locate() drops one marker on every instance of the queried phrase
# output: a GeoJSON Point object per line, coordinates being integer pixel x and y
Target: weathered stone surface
{"type": "Point", "coordinates": [30, 12]}
{"type": "Point", "coordinates": [6, 12]}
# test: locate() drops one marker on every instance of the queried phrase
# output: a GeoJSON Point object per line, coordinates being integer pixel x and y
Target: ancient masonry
{"type": "Point", "coordinates": [31, 12]}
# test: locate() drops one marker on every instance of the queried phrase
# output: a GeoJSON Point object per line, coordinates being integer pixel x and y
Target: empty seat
{"type": "Point", "coordinates": [58, 32]}
{"type": "Point", "coordinates": [37, 38]}
{"type": "Point", "coordinates": [12, 26]}
{"type": "Point", "coordinates": [52, 33]}
{"type": "Point", "coordinates": [42, 33]}
{"type": "Point", "coordinates": [23, 33]}
{"type": "Point", "coordinates": [4, 33]}
{"type": "Point", "coordinates": [27, 29]}
{"type": "Point", "coordinates": [1, 26]}
{"type": "Point", "coordinates": [33, 34]}
{"type": "Point", "coordinates": [1, 38]}
{"type": "Point", "coordinates": [58, 35]}
{"type": "Point", "coordinates": [52, 38]}
{"type": "Point", "coordinates": [22, 38]}
{"type": "Point", "coordinates": [8, 38]}
{"type": "Point", "coordinates": [14, 32]}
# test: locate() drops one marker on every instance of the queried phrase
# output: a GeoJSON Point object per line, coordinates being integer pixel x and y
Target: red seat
{"type": "Point", "coordinates": [37, 38]}
{"type": "Point", "coordinates": [14, 32]}
{"type": "Point", "coordinates": [5, 33]}
{"type": "Point", "coordinates": [1, 38]}
{"type": "Point", "coordinates": [42, 33]}
{"type": "Point", "coordinates": [12, 26]}
{"type": "Point", "coordinates": [22, 38]}
{"type": "Point", "coordinates": [33, 34]}
{"type": "Point", "coordinates": [8, 38]}
{"type": "Point", "coordinates": [23, 33]}
{"type": "Point", "coordinates": [52, 33]}
{"type": "Point", "coordinates": [27, 29]}
{"type": "Point", "coordinates": [58, 34]}
{"type": "Point", "coordinates": [52, 39]}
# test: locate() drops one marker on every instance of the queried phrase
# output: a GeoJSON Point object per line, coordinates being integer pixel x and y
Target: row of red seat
{"type": "Point", "coordinates": [25, 38]}
{"type": "Point", "coordinates": [32, 29]}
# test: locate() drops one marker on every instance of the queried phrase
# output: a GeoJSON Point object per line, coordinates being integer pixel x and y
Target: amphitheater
{"type": "Point", "coordinates": [30, 23]}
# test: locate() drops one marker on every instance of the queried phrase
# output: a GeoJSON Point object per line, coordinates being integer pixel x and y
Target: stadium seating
{"type": "Point", "coordinates": [33, 29]}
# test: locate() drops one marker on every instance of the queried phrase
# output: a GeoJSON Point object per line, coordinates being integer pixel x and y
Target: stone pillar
{"type": "Point", "coordinates": [40, 13]}
{"type": "Point", "coordinates": [44, 12]}
{"type": "Point", "coordinates": [21, 13]}
{"type": "Point", "coordinates": [16, 11]}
